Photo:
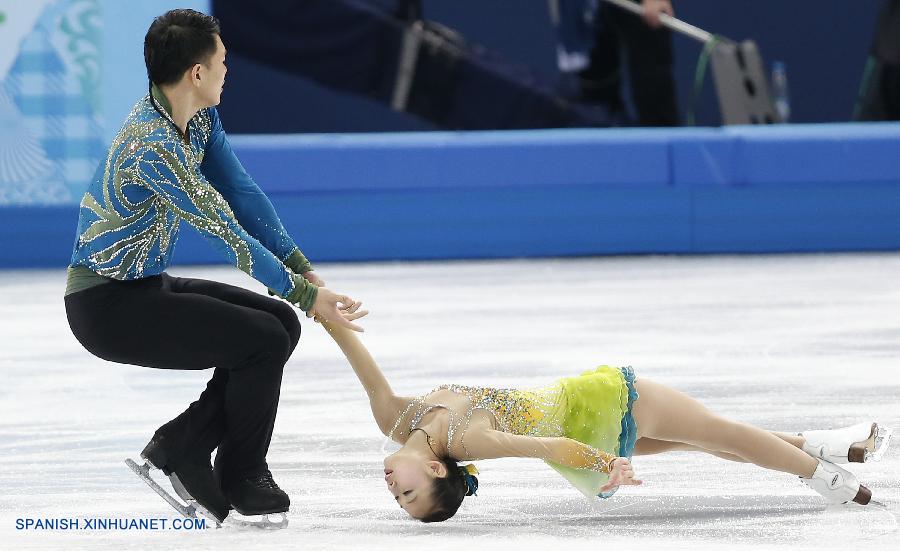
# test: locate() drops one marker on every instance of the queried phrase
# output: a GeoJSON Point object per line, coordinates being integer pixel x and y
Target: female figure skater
{"type": "Point", "coordinates": [587, 428]}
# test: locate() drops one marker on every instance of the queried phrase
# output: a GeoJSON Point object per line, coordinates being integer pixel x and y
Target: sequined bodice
{"type": "Point", "coordinates": [516, 411]}
{"type": "Point", "coordinates": [527, 412]}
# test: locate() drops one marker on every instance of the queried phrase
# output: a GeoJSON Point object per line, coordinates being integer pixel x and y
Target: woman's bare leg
{"type": "Point", "coordinates": [793, 439]}
{"type": "Point", "coordinates": [649, 446]}
{"type": "Point", "coordinates": [663, 413]}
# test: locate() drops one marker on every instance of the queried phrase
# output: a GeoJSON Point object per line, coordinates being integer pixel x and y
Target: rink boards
{"type": "Point", "coordinates": [444, 195]}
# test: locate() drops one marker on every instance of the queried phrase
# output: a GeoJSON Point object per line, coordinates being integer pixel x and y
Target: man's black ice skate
{"type": "Point", "coordinates": [258, 496]}
{"type": "Point", "coordinates": [192, 480]}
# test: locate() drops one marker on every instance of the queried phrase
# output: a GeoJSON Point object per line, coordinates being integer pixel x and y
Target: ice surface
{"type": "Point", "coordinates": [784, 342]}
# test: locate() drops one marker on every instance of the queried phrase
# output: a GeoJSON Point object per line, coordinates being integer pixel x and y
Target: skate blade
{"type": "Point", "coordinates": [883, 437]}
{"type": "Point", "coordinates": [143, 471]}
{"type": "Point", "coordinates": [179, 488]}
{"type": "Point", "coordinates": [269, 521]}
{"type": "Point", "coordinates": [189, 509]}
{"type": "Point", "coordinates": [205, 513]}
{"type": "Point", "coordinates": [186, 497]}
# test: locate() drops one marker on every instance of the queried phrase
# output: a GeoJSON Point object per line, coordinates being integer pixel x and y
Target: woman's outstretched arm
{"type": "Point", "coordinates": [560, 450]}
{"type": "Point", "coordinates": [386, 406]}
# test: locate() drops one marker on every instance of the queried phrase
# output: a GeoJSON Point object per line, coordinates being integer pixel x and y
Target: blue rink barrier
{"type": "Point", "coordinates": [440, 195]}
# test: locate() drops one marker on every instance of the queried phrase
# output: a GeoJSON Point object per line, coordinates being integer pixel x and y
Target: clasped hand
{"type": "Point", "coordinates": [337, 309]}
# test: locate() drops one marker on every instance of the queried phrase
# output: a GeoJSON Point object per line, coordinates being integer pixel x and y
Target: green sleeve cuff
{"type": "Point", "coordinates": [304, 293]}
{"type": "Point", "coordinates": [297, 262]}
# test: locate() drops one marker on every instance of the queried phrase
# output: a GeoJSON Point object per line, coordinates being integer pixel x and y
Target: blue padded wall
{"type": "Point", "coordinates": [829, 187]}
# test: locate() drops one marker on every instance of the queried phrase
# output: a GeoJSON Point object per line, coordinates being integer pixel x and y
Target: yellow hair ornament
{"type": "Point", "coordinates": [468, 473]}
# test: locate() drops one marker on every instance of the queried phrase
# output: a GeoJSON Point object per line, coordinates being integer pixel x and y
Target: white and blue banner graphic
{"type": "Point", "coordinates": [51, 132]}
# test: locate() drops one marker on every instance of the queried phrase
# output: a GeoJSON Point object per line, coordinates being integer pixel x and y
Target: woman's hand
{"type": "Point", "coordinates": [337, 309]}
{"type": "Point", "coordinates": [621, 473]}
{"type": "Point", "coordinates": [313, 278]}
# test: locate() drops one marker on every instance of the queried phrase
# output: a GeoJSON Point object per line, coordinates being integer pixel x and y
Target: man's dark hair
{"type": "Point", "coordinates": [448, 492]}
{"type": "Point", "coordinates": [176, 41]}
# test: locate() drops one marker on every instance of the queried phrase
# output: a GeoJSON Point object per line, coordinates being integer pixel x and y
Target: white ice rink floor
{"type": "Point", "coordinates": [783, 342]}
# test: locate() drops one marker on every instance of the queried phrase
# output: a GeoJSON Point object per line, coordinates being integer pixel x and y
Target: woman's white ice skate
{"type": "Point", "coordinates": [837, 485]}
{"type": "Point", "coordinates": [849, 444]}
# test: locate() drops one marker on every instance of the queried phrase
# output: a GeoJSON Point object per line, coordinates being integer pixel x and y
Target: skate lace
{"type": "Point", "coordinates": [264, 481]}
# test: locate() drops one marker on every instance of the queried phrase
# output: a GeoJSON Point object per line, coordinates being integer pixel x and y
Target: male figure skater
{"type": "Point", "coordinates": [172, 162]}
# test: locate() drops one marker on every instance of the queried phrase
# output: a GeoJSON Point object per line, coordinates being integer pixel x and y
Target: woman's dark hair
{"type": "Point", "coordinates": [448, 492]}
{"type": "Point", "coordinates": [176, 41]}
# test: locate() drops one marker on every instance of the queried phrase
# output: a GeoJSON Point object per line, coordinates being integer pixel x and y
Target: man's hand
{"type": "Point", "coordinates": [336, 309]}
{"type": "Point", "coordinates": [652, 9]}
{"type": "Point", "coordinates": [621, 474]}
{"type": "Point", "coordinates": [313, 278]}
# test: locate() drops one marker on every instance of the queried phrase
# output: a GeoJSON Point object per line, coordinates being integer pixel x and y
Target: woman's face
{"type": "Point", "coordinates": [409, 477]}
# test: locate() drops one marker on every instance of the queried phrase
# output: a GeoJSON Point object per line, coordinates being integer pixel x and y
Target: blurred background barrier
{"type": "Point", "coordinates": [438, 195]}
